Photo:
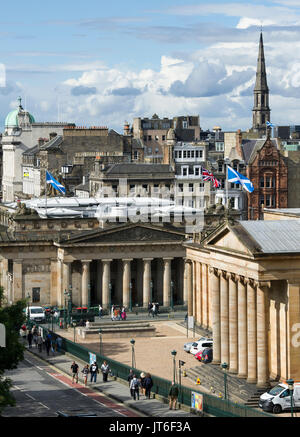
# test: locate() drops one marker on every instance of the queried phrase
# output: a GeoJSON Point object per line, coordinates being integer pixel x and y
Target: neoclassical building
{"type": "Point", "coordinates": [244, 285]}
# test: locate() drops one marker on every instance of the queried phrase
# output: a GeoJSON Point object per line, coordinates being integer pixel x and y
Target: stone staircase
{"type": "Point", "coordinates": [212, 378]}
{"type": "Point", "coordinates": [118, 329]}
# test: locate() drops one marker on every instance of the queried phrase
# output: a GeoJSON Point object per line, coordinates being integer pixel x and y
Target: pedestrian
{"type": "Point", "coordinates": [117, 314]}
{"type": "Point", "coordinates": [74, 368]}
{"type": "Point", "coordinates": [58, 343]}
{"type": "Point", "coordinates": [142, 381]}
{"type": "Point", "coordinates": [149, 309]}
{"type": "Point", "coordinates": [134, 388]}
{"type": "Point", "coordinates": [123, 314]}
{"type": "Point", "coordinates": [153, 310]}
{"type": "Point", "coordinates": [130, 376]}
{"type": "Point", "coordinates": [94, 370]}
{"type": "Point", "coordinates": [157, 308]}
{"type": "Point", "coordinates": [85, 371]}
{"type": "Point", "coordinates": [148, 385]}
{"type": "Point", "coordinates": [87, 324]}
{"type": "Point", "coordinates": [112, 314]}
{"type": "Point", "coordinates": [29, 339]}
{"type": "Point", "coordinates": [173, 396]}
{"type": "Point", "coordinates": [40, 342]}
{"type": "Point", "coordinates": [100, 311]}
{"type": "Point", "coordinates": [47, 345]}
{"type": "Point", "coordinates": [53, 343]}
{"type": "Point", "coordinates": [105, 370]}
{"type": "Point", "coordinates": [35, 335]}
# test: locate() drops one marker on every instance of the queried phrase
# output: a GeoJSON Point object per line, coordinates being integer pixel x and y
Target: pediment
{"type": "Point", "coordinates": [131, 233]}
{"type": "Point", "coordinates": [228, 240]}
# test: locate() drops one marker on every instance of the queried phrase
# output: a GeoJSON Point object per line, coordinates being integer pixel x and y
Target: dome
{"type": "Point", "coordinates": [12, 119]}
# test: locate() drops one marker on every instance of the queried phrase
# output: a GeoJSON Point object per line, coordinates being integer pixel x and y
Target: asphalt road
{"type": "Point", "coordinates": [41, 391]}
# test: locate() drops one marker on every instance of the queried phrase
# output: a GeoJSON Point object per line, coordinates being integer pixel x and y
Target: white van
{"type": "Point", "coordinates": [278, 398]}
{"type": "Point", "coordinates": [37, 314]}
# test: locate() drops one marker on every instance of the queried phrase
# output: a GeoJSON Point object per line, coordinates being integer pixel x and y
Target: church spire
{"type": "Point", "coordinates": [261, 110]}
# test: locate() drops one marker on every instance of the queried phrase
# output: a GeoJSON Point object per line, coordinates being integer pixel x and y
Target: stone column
{"type": "Point", "coordinates": [17, 280]}
{"type": "Point", "coordinates": [167, 282]}
{"type": "Point", "coordinates": [185, 283]}
{"type": "Point", "coordinates": [233, 325]}
{"type": "Point", "coordinates": [251, 328]}
{"type": "Point", "coordinates": [85, 281]}
{"type": "Point", "coordinates": [262, 345]}
{"type": "Point", "coordinates": [59, 296]}
{"type": "Point", "coordinates": [215, 294]}
{"type": "Point", "coordinates": [146, 281]}
{"type": "Point", "coordinates": [126, 282]}
{"type": "Point", "coordinates": [53, 281]}
{"type": "Point", "coordinates": [189, 286]}
{"type": "Point", "coordinates": [106, 298]}
{"type": "Point", "coordinates": [224, 317]}
{"type": "Point", "coordinates": [67, 278]}
{"type": "Point", "coordinates": [242, 329]}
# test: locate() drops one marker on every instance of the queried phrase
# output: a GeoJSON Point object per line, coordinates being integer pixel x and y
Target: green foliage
{"type": "Point", "coordinates": [12, 317]}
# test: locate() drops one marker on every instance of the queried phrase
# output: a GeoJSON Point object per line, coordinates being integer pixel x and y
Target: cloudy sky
{"type": "Point", "coordinates": [103, 62]}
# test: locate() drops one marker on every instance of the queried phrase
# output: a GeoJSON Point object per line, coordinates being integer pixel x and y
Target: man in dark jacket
{"type": "Point", "coordinates": [173, 396]}
{"type": "Point", "coordinates": [148, 385]}
{"type": "Point", "coordinates": [94, 371]}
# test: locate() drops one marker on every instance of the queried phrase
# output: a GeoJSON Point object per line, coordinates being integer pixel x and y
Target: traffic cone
{"type": "Point", "coordinates": [184, 373]}
{"type": "Point", "coordinates": [198, 381]}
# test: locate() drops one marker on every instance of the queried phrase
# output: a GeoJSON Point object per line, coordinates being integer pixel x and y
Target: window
{"type": "Point", "coordinates": [36, 294]}
{"type": "Point", "coordinates": [262, 182]}
{"type": "Point", "coordinates": [192, 154]}
{"type": "Point", "coordinates": [262, 200]}
{"type": "Point", "coordinates": [220, 167]}
{"type": "Point", "coordinates": [132, 187]}
{"type": "Point", "coordinates": [163, 137]}
{"type": "Point", "coordinates": [235, 166]}
{"type": "Point", "coordinates": [197, 171]}
{"type": "Point", "coordinates": [175, 155]}
{"type": "Point", "coordinates": [191, 188]}
{"type": "Point", "coordinates": [115, 188]}
{"type": "Point", "coordinates": [185, 124]}
{"type": "Point", "coordinates": [180, 188]}
{"type": "Point", "coordinates": [145, 137]}
{"type": "Point", "coordinates": [188, 153]}
{"type": "Point", "coordinates": [184, 171]}
{"type": "Point", "coordinates": [149, 138]}
{"type": "Point", "coordinates": [135, 155]}
{"type": "Point", "coordinates": [219, 147]}
{"type": "Point", "coordinates": [145, 187]}
{"type": "Point", "coordinates": [268, 182]}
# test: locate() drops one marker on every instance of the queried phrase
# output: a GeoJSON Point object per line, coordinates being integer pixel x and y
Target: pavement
{"type": "Point", "coordinates": [113, 389]}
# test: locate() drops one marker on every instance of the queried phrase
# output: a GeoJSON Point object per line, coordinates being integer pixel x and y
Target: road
{"type": "Point", "coordinates": [41, 390]}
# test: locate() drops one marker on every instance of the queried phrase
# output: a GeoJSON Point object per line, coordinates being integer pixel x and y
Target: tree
{"type": "Point", "coordinates": [12, 317]}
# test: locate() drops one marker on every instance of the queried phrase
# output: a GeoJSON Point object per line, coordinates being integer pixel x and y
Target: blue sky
{"type": "Point", "coordinates": [101, 63]}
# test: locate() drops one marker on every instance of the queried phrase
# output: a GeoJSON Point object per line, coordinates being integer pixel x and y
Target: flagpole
{"type": "Point", "coordinates": [46, 191]}
{"type": "Point", "coordinates": [226, 182]}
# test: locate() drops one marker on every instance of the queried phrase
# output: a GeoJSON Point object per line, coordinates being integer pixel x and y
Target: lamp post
{"type": "Point", "coordinates": [130, 296]}
{"type": "Point", "coordinates": [224, 367]}
{"type": "Point", "coordinates": [151, 291]}
{"type": "Point", "coordinates": [65, 309]}
{"type": "Point", "coordinates": [133, 364]}
{"type": "Point", "coordinates": [174, 353]}
{"type": "Point", "coordinates": [180, 364]}
{"type": "Point", "coordinates": [290, 383]}
{"type": "Point", "coordinates": [74, 326]}
{"type": "Point", "coordinates": [172, 295]}
{"type": "Point", "coordinates": [101, 345]}
{"type": "Point", "coordinates": [89, 296]}
{"type": "Point", "coordinates": [109, 295]}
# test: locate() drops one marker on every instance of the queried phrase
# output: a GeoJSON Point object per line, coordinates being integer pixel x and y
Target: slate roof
{"type": "Point", "coordinates": [251, 147]}
{"type": "Point", "coordinates": [137, 168]}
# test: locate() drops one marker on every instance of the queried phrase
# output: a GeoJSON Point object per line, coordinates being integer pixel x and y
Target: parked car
{"type": "Point", "coordinates": [200, 345]}
{"type": "Point", "coordinates": [187, 346]}
{"type": "Point", "coordinates": [278, 398]}
{"type": "Point", "coordinates": [207, 355]}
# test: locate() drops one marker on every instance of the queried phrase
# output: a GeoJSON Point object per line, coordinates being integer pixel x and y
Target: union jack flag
{"type": "Point", "coordinates": [208, 176]}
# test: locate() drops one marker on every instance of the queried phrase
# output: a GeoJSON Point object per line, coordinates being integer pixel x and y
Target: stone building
{"type": "Point", "coordinates": [244, 285]}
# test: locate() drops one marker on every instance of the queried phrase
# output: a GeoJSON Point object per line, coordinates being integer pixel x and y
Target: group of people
{"type": "Point", "coordinates": [153, 309]}
{"type": "Point", "coordinates": [50, 343]}
{"type": "Point", "coordinates": [141, 384]}
{"type": "Point", "coordinates": [118, 313]}
{"type": "Point", "coordinates": [90, 369]}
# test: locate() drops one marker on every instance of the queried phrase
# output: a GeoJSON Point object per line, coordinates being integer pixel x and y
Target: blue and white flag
{"type": "Point", "coordinates": [270, 124]}
{"type": "Point", "coordinates": [55, 184]}
{"type": "Point", "coordinates": [237, 178]}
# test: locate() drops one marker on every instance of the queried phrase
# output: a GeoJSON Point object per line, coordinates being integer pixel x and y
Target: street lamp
{"type": "Point", "coordinates": [130, 296]}
{"type": "Point", "coordinates": [65, 308]}
{"type": "Point", "coordinates": [290, 383]}
{"type": "Point", "coordinates": [180, 364]}
{"type": "Point", "coordinates": [89, 296]}
{"type": "Point", "coordinates": [133, 364]}
{"type": "Point", "coordinates": [101, 346]}
{"type": "Point", "coordinates": [109, 295]}
{"type": "Point", "coordinates": [224, 367]}
{"type": "Point", "coordinates": [174, 353]}
{"type": "Point", "coordinates": [74, 326]}
{"type": "Point", "coordinates": [172, 293]}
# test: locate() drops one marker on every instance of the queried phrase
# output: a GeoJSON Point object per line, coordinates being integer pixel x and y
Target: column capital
{"type": "Point", "coordinates": [214, 271]}
{"type": "Point", "coordinates": [147, 259]}
{"type": "Point", "coordinates": [225, 274]}
{"type": "Point", "coordinates": [168, 259]}
{"type": "Point", "coordinates": [234, 277]}
{"type": "Point", "coordinates": [264, 284]}
{"type": "Point", "coordinates": [127, 260]}
{"type": "Point", "coordinates": [106, 260]}
{"type": "Point", "coordinates": [85, 261]}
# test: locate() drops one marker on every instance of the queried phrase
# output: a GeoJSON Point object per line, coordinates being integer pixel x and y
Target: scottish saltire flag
{"type": "Point", "coordinates": [208, 176]}
{"type": "Point", "coordinates": [237, 178]}
{"type": "Point", "coordinates": [55, 184]}
{"type": "Point", "coordinates": [270, 124]}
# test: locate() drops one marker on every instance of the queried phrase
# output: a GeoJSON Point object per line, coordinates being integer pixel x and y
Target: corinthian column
{"type": "Point", "coordinates": [215, 293]}
{"type": "Point", "coordinates": [106, 298]}
{"type": "Point", "coordinates": [224, 317]}
{"type": "Point", "coordinates": [85, 282]}
{"type": "Point", "coordinates": [126, 282]}
{"type": "Point", "coordinates": [242, 328]}
{"type": "Point", "coordinates": [233, 324]}
{"type": "Point", "coordinates": [188, 286]}
{"type": "Point", "coordinates": [146, 281]}
{"type": "Point", "coordinates": [262, 348]}
{"type": "Point", "coordinates": [167, 282]}
{"type": "Point", "coordinates": [251, 326]}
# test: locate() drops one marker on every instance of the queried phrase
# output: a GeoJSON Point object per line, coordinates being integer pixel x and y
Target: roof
{"type": "Point", "coordinates": [138, 168]}
{"type": "Point", "coordinates": [287, 235]}
{"type": "Point", "coordinates": [251, 147]}
{"type": "Point", "coordinates": [12, 118]}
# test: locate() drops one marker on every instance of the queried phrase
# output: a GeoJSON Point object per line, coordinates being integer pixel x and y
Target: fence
{"type": "Point", "coordinates": [211, 405]}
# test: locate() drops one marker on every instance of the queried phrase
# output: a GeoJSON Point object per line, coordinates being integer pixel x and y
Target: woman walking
{"type": "Point", "coordinates": [105, 370]}
{"type": "Point", "coordinates": [85, 371]}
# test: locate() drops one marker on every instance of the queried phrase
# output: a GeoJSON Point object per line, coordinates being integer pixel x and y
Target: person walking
{"type": "Point", "coordinates": [153, 310]}
{"type": "Point", "coordinates": [135, 388]}
{"type": "Point", "coordinates": [94, 370]}
{"type": "Point", "coordinates": [173, 396]}
{"type": "Point", "coordinates": [85, 371]}
{"type": "Point", "coordinates": [105, 370]}
{"type": "Point", "coordinates": [130, 376]}
{"type": "Point", "coordinates": [53, 343]}
{"type": "Point", "coordinates": [142, 381]}
{"type": "Point", "coordinates": [112, 313]}
{"type": "Point", "coordinates": [100, 311]}
{"type": "Point", "coordinates": [148, 385]}
{"type": "Point", "coordinates": [149, 309]}
{"type": "Point", "coordinates": [40, 342]}
{"type": "Point", "coordinates": [48, 345]}
{"type": "Point", "coordinates": [74, 368]}
{"type": "Point", "coordinates": [58, 343]}
{"type": "Point", "coordinates": [35, 335]}
{"type": "Point", "coordinates": [29, 339]}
